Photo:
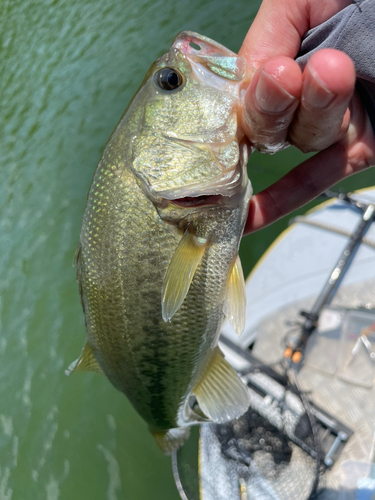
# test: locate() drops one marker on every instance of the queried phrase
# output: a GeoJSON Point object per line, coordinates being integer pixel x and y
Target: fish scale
{"type": "Point", "coordinates": [154, 274]}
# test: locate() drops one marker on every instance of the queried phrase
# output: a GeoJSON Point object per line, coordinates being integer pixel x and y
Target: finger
{"type": "Point", "coordinates": [274, 33]}
{"type": "Point", "coordinates": [315, 175]}
{"type": "Point", "coordinates": [328, 85]}
{"type": "Point", "coordinates": [360, 138]}
{"type": "Point", "coordinates": [298, 187]}
{"type": "Point", "coordinates": [279, 26]}
{"type": "Point", "coordinates": [270, 102]}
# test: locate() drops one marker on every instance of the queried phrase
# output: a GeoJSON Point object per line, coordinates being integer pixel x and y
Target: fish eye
{"type": "Point", "coordinates": [169, 79]}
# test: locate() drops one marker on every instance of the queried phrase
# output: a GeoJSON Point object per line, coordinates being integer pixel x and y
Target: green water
{"type": "Point", "coordinates": [67, 70]}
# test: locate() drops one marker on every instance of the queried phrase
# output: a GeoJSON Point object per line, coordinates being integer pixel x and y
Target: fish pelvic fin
{"type": "Point", "coordinates": [221, 394]}
{"type": "Point", "coordinates": [180, 272]}
{"type": "Point", "coordinates": [85, 363]}
{"type": "Point", "coordinates": [235, 302]}
{"type": "Point", "coordinates": [172, 439]}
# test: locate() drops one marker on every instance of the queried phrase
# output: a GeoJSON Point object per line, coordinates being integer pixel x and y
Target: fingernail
{"type": "Point", "coordinates": [270, 96]}
{"type": "Point", "coordinates": [315, 93]}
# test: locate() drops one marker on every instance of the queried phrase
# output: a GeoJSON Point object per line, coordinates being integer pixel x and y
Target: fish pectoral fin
{"type": "Point", "coordinates": [77, 255]}
{"type": "Point", "coordinates": [180, 272]}
{"type": "Point", "coordinates": [221, 394]}
{"type": "Point", "coordinates": [235, 302]}
{"type": "Point", "coordinates": [85, 363]}
{"type": "Point", "coordinates": [172, 439]}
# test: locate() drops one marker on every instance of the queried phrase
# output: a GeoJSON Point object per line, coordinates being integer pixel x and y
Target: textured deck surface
{"type": "Point", "coordinates": [326, 378]}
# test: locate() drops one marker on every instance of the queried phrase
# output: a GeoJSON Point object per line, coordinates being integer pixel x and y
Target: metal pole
{"type": "Point", "coordinates": [297, 343]}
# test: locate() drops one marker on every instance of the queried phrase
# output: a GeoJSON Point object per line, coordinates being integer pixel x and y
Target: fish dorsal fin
{"type": "Point", "coordinates": [180, 272]}
{"type": "Point", "coordinates": [85, 363]}
{"type": "Point", "coordinates": [235, 302]}
{"type": "Point", "coordinates": [221, 394]}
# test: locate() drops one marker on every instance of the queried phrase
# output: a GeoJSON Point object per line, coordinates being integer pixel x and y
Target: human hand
{"type": "Point", "coordinates": [316, 110]}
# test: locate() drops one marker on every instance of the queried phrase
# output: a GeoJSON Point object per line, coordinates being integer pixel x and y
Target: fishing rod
{"type": "Point", "coordinates": [296, 343]}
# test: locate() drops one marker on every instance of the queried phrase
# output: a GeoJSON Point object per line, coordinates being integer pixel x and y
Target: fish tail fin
{"type": "Point", "coordinates": [172, 439]}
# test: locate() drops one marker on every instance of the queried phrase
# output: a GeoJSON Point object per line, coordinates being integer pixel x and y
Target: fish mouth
{"type": "Point", "coordinates": [197, 201]}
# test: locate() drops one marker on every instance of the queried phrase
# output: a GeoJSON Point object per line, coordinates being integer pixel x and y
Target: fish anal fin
{"type": "Point", "coordinates": [235, 302]}
{"type": "Point", "coordinates": [221, 394]}
{"type": "Point", "coordinates": [172, 439]}
{"type": "Point", "coordinates": [85, 363]}
{"type": "Point", "coordinates": [180, 272]}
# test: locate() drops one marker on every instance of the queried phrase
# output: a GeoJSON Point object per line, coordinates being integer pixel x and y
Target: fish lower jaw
{"type": "Point", "coordinates": [185, 207]}
{"type": "Point", "coordinates": [223, 192]}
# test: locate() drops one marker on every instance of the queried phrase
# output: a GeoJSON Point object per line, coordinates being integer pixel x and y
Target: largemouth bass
{"type": "Point", "coordinates": [157, 262]}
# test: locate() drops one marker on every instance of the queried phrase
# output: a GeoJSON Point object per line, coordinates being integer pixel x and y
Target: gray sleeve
{"type": "Point", "coordinates": [351, 30]}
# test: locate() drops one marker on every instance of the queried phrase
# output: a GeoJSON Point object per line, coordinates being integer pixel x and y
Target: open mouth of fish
{"type": "Point", "coordinates": [198, 201]}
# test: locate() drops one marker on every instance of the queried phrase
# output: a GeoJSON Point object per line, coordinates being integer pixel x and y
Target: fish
{"type": "Point", "coordinates": [157, 261]}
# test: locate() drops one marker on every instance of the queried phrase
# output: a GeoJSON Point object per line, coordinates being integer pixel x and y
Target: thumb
{"type": "Point", "coordinates": [279, 26]}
